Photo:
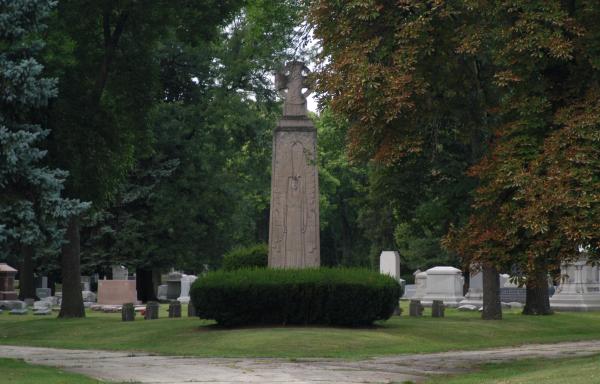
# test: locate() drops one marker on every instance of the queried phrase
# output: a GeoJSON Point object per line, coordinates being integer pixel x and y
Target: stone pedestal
{"type": "Point", "coordinates": [444, 284]}
{"type": "Point", "coordinates": [174, 285]}
{"type": "Point", "coordinates": [294, 222]}
{"type": "Point", "coordinates": [7, 282]}
{"type": "Point", "coordinates": [579, 290]}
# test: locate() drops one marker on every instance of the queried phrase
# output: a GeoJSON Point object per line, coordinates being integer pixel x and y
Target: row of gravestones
{"type": "Point", "coordinates": [579, 288]}
{"type": "Point", "coordinates": [128, 311]}
{"type": "Point", "coordinates": [415, 308]}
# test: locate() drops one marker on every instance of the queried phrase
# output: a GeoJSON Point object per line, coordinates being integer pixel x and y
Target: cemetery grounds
{"type": "Point", "coordinates": [403, 335]}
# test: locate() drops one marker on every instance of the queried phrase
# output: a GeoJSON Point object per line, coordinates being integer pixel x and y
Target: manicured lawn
{"type": "Point", "coordinates": [19, 372]}
{"type": "Point", "coordinates": [191, 336]}
{"type": "Point", "coordinates": [582, 370]}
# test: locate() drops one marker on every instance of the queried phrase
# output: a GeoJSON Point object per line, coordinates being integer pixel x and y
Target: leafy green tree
{"type": "Point", "coordinates": [108, 84]}
{"type": "Point", "coordinates": [32, 211]}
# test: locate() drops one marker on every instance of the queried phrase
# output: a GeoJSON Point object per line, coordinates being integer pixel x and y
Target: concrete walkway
{"type": "Point", "coordinates": [145, 368]}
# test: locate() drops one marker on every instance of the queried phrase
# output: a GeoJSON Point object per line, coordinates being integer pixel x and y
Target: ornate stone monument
{"type": "Point", "coordinates": [294, 221]}
{"type": "Point", "coordinates": [579, 289]}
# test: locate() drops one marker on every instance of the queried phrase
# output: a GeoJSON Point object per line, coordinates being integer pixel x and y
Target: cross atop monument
{"type": "Point", "coordinates": [292, 86]}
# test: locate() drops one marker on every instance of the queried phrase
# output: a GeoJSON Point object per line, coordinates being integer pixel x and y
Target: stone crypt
{"type": "Point", "coordinates": [294, 216]}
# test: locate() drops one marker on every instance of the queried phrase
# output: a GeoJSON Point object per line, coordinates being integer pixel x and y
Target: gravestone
{"type": "Point", "coordinates": [415, 309]}
{"type": "Point", "coordinates": [437, 308]}
{"type": "Point", "coordinates": [119, 272]}
{"type": "Point", "coordinates": [41, 281]}
{"type": "Point", "coordinates": [161, 292]}
{"type": "Point", "coordinates": [192, 310]}
{"type": "Point", "coordinates": [294, 221]}
{"type": "Point", "coordinates": [128, 312]}
{"type": "Point", "coordinates": [7, 282]}
{"type": "Point", "coordinates": [89, 296]}
{"type": "Point", "coordinates": [186, 284]}
{"type": "Point", "coordinates": [116, 292]}
{"type": "Point", "coordinates": [389, 264]}
{"type": "Point", "coordinates": [174, 309]}
{"type": "Point", "coordinates": [42, 312]}
{"type": "Point", "coordinates": [42, 293]}
{"type": "Point", "coordinates": [579, 289]}
{"type": "Point", "coordinates": [18, 311]}
{"type": "Point", "coordinates": [474, 295]}
{"type": "Point", "coordinates": [420, 284]}
{"type": "Point", "coordinates": [152, 308]}
{"type": "Point", "coordinates": [445, 284]}
{"type": "Point", "coordinates": [174, 285]}
{"type": "Point", "coordinates": [86, 283]}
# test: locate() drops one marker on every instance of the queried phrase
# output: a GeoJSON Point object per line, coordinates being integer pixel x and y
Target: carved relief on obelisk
{"type": "Point", "coordinates": [294, 221]}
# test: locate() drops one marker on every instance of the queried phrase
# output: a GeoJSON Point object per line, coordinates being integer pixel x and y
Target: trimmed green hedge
{"type": "Point", "coordinates": [254, 256]}
{"type": "Point", "coordinates": [330, 296]}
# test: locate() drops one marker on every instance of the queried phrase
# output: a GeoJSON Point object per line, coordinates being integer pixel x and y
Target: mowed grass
{"type": "Point", "coordinates": [194, 337]}
{"type": "Point", "coordinates": [582, 370]}
{"type": "Point", "coordinates": [19, 372]}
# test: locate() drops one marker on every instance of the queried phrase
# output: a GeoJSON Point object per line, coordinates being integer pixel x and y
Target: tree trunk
{"type": "Point", "coordinates": [492, 308]}
{"type": "Point", "coordinates": [537, 300]}
{"type": "Point", "coordinates": [144, 281]}
{"type": "Point", "coordinates": [26, 278]}
{"type": "Point", "coordinates": [72, 300]}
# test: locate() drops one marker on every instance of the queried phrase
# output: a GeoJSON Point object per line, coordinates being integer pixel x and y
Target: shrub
{"type": "Point", "coordinates": [330, 296]}
{"type": "Point", "coordinates": [254, 256]}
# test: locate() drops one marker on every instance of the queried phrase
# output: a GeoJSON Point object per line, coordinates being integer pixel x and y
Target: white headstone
{"type": "Point", "coordinates": [446, 284]}
{"type": "Point", "coordinates": [119, 272]}
{"type": "Point", "coordinates": [186, 284]}
{"type": "Point", "coordinates": [389, 264]}
{"type": "Point", "coordinates": [421, 285]}
{"type": "Point", "coordinates": [579, 289]}
{"type": "Point", "coordinates": [475, 294]}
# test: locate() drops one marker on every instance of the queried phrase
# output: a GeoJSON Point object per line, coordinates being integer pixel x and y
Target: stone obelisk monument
{"type": "Point", "coordinates": [294, 222]}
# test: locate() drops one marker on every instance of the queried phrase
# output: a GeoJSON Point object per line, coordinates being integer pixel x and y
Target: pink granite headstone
{"type": "Point", "coordinates": [116, 292]}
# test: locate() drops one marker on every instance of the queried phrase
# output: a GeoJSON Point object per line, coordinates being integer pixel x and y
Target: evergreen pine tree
{"type": "Point", "coordinates": [32, 212]}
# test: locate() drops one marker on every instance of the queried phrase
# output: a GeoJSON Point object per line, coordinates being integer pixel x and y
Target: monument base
{"type": "Point", "coordinates": [575, 302]}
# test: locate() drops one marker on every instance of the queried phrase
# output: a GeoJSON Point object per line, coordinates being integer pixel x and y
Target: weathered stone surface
{"type": "Point", "coordinates": [415, 309]}
{"type": "Point", "coordinates": [445, 284]}
{"type": "Point", "coordinates": [174, 309]}
{"type": "Point", "coordinates": [579, 290]}
{"type": "Point", "coordinates": [152, 308]}
{"type": "Point", "coordinates": [12, 304]}
{"type": "Point", "coordinates": [42, 305]}
{"type": "Point", "coordinates": [42, 312]}
{"type": "Point", "coordinates": [18, 311]}
{"type": "Point", "coordinates": [43, 292]}
{"type": "Point", "coordinates": [119, 272]}
{"type": "Point", "coordinates": [128, 312]}
{"type": "Point", "coordinates": [116, 292]}
{"type": "Point", "coordinates": [89, 296]}
{"type": "Point", "coordinates": [468, 307]}
{"type": "Point", "coordinates": [294, 222]}
{"type": "Point", "coordinates": [437, 308]}
{"type": "Point", "coordinates": [161, 292]}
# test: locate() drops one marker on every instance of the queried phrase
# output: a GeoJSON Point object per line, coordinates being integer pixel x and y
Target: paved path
{"type": "Point", "coordinates": [146, 368]}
